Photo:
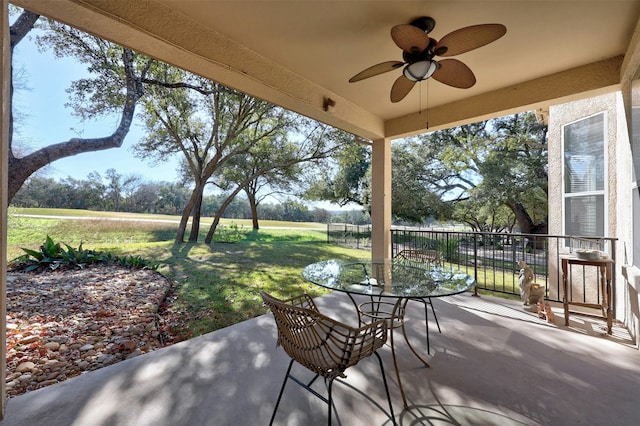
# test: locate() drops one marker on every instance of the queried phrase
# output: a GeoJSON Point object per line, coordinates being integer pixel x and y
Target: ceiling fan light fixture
{"type": "Point", "coordinates": [420, 70]}
{"type": "Point", "coordinates": [419, 50]}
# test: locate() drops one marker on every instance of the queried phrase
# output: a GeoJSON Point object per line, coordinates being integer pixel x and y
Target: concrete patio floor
{"type": "Point", "coordinates": [493, 364]}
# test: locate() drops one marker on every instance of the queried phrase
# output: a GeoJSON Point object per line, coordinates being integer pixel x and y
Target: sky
{"type": "Point", "coordinates": [46, 120]}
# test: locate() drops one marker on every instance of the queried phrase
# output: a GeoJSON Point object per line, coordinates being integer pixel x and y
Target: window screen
{"type": "Point", "coordinates": [584, 177]}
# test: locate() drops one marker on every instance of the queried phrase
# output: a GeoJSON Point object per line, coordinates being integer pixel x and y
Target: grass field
{"type": "Point", "coordinates": [216, 285]}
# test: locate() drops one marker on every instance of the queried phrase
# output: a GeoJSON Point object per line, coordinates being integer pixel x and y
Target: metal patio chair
{"type": "Point", "coordinates": [429, 257]}
{"type": "Point", "coordinates": [323, 345]}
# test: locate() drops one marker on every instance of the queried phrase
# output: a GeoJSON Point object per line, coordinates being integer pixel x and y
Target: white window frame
{"type": "Point", "coordinates": [603, 191]}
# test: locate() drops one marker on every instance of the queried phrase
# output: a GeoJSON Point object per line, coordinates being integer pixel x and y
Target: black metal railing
{"type": "Point", "coordinates": [357, 236]}
{"type": "Point", "coordinates": [493, 258]}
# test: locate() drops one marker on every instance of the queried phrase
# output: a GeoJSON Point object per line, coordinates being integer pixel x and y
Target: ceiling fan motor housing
{"type": "Point", "coordinates": [425, 23]}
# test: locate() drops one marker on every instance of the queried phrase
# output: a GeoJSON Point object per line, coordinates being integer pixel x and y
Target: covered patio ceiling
{"type": "Point", "coordinates": [297, 54]}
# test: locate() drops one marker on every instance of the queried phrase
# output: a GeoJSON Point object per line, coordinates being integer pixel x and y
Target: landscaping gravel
{"type": "Point", "coordinates": [63, 323]}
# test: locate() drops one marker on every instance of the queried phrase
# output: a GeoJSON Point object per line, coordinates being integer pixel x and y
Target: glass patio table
{"type": "Point", "coordinates": [389, 284]}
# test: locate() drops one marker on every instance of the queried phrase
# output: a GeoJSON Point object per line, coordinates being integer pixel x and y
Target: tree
{"type": "Point", "coordinates": [246, 168]}
{"type": "Point", "coordinates": [207, 123]}
{"type": "Point", "coordinates": [347, 180]}
{"type": "Point", "coordinates": [451, 174]}
{"type": "Point", "coordinates": [37, 191]}
{"type": "Point", "coordinates": [350, 182]}
{"type": "Point", "coordinates": [483, 215]}
{"type": "Point", "coordinates": [171, 198]}
{"type": "Point", "coordinates": [114, 86]}
{"type": "Point", "coordinates": [95, 189]}
{"type": "Point", "coordinates": [144, 198]}
{"type": "Point", "coordinates": [274, 166]}
{"type": "Point", "coordinates": [491, 163]}
{"type": "Point", "coordinates": [521, 170]}
{"type": "Point", "coordinates": [113, 191]}
{"type": "Point", "coordinates": [413, 200]}
{"type": "Point", "coordinates": [282, 154]}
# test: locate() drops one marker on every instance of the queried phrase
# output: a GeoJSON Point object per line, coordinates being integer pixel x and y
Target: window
{"type": "Point", "coordinates": [584, 177]}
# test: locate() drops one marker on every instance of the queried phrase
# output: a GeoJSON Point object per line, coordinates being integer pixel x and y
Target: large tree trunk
{"type": "Point", "coordinates": [525, 222]}
{"type": "Point", "coordinates": [254, 209]}
{"type": "Point", "coordinates": [189, 209]}
{"type": "Point", "coordinates": [21, 168]}
{"type": "Point", "coordinates": [528, 227]}
{"type": "Point", "coordinates": [196, 214]}
{"type": "Point", "coordinates": [219, 213]}
{"type": "Point", "coordinates": [182, 227]}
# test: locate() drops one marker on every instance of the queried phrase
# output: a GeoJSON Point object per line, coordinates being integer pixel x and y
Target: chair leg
{"type": "Point", "coordinates": [330, 400]}
{"type": "Point", "coordinates": [427, 301]}
{"type": "Point", "coordinates": [434, 314]}
{"type": "Point", "coordinates": [386, 388]}
{"type": "Point", "coordinates": [284, 383]}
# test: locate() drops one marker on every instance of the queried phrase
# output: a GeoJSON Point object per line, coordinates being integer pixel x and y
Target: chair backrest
{"type": "Point", "coordinates": [323, 345]}
{"type": "Point", "coordinates": [421, 255]}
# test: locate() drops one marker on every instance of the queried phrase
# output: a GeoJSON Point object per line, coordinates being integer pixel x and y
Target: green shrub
{"type": "Point", "coordinates": [449, 249]}
{"type": "Point", "coordinates": [52, 255]}
{"type": "Point", "coordinates": [137, 262]}
{"type": "Point", "coordinates": [229, 234]}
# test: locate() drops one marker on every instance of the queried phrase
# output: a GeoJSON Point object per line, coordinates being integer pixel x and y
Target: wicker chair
{"type": "Point", "coordinates": [323, 345]}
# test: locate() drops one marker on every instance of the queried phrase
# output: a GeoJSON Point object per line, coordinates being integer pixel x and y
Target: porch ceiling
{"type": "Point", "coordinates": [296, 53]}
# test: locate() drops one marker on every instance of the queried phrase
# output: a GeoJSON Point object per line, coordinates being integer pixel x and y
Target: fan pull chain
{"type": "Point", "coordinates": [427, 104]}
{"type": "Point", "coordinates": [420, 101]}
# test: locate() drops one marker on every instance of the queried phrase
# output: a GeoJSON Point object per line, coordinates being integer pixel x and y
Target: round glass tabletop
{"type": "Point", "coordinates": [392, 278]}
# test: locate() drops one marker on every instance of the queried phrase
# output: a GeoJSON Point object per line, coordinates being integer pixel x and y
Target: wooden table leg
{"type": "Point", "coordinates": [565, 302]}
{"type": "Point", "coordinates": [608, 295]}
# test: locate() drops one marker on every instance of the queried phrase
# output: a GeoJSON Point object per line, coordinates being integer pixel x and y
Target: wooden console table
{"type": "Point", "coordinates": [605, 266]}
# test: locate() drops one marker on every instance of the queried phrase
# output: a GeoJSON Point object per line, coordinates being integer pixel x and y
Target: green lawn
{"type": "Point", "coordinates": [216, 285]}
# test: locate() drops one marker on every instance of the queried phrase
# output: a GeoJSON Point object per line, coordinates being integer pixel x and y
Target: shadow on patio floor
{"type": "Point", "coordinates": [493, 363]}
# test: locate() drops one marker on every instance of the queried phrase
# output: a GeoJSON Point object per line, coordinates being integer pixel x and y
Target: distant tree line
{"type": "Point", "coordinates": [116, 192]}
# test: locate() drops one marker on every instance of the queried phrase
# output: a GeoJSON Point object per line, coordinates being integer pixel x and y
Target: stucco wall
{"type": "Point", "coordinates": [618, 222]}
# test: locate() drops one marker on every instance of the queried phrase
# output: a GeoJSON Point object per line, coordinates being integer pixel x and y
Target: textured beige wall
{"type": "Point", "coordinates": [618, 186]}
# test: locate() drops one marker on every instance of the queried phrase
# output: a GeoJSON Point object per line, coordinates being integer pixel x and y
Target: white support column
{"type": "Point", "coordinates": [5, 93]}
{"type": "Point", "coordinates": [381, 199]}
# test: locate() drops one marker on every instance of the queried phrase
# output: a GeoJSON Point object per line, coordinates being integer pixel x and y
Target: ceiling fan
{"type": "Point", "coordinates": [419, 51]}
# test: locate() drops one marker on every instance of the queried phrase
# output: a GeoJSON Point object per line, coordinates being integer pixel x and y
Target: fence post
{"type": "Point", "coordinates": [475, 263]}
{"type": "Point", "coordinates": [345, 234]}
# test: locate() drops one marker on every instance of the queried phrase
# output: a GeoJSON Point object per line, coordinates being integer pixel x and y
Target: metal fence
{"type": "Point", "coordinates": [493, 258]}
{"type": "Point", "coordinates": [357, 236]}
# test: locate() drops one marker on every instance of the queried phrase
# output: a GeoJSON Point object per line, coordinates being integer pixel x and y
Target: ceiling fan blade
{"type": "Point", "coordinates": [401, 88]}
{"type": "Point", "coordinates": [376, 70]}
{"type": "Point", "coordinates": [409, 38]}
{"type": "Point", "coordinates": [454, 73]}
{"type": "Point", "coordinates": [469, 38]}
